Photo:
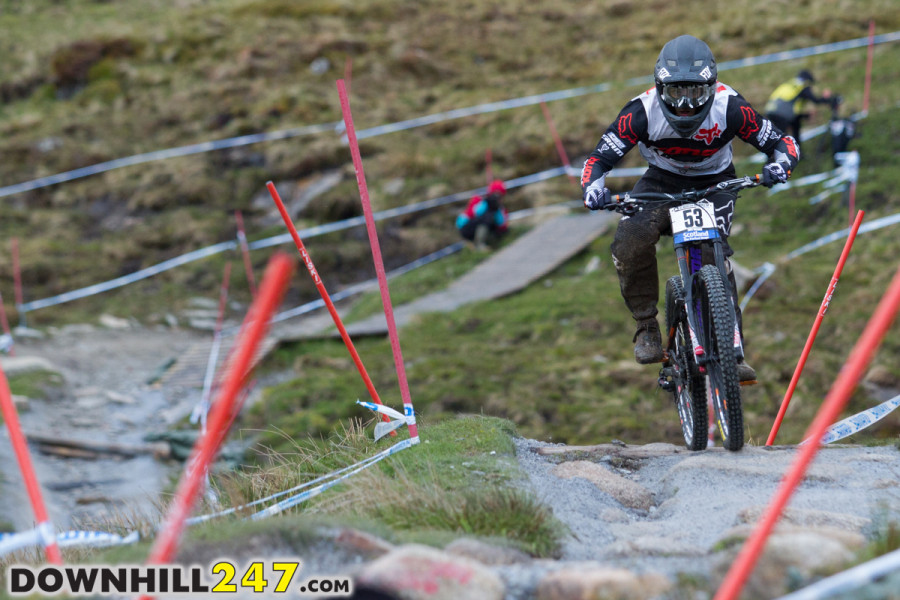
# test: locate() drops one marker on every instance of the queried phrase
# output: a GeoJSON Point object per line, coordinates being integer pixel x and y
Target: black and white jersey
{"type": "Point", "coordinates": [707, 151]}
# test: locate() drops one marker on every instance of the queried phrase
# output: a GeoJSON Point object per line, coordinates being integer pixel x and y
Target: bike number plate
{"type": "Point", "coordinates": [692, 222]}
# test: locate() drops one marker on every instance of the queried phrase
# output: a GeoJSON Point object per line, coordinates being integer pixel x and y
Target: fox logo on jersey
{"type": "Point", "coordinates": [708, 135]}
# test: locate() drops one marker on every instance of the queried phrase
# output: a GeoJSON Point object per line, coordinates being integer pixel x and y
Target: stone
{"type": "Point", "coordinates": [111, 322]}
{"type": "Point", "coordinates": [363, 542]}
{"type": "Point", "coordinates": [486, 554]}
{"type": "Point", "coordinates": [15, 365]}
{"type": "Point", "coordinates": [806, 517]}
{"type": "Point", "coordinates": [625, 491]}
{"type": "Point", "coordinates": [418, 572]}
{"type": "Point", "coordinates": [592, 581]}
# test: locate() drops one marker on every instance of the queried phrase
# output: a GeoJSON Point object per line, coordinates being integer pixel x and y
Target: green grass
{"type": "Point", "coordinates": [461, 480]}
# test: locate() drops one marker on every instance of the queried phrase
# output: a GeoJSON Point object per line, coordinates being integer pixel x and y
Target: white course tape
{"type": "Point", "coordinates": [766, 271]}
{"type": "Point", "coordinates": [10, 542]}
{"type": "Point", "coordinates": [858, 422]}
{"type": "Point", "coordinates": [97, 539]}
{"type": "Point", "coordinates": [850, 579]}
{"type": "Point", "coordinates": [228, 511]}
{"type": "Point", "coordinates": [302, 497]}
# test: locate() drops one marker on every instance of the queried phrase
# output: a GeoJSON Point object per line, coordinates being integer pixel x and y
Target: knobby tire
{"type": "Point", "coordinates": [717, 338]}
{"type": "Point", "coordinates": [690, 387]}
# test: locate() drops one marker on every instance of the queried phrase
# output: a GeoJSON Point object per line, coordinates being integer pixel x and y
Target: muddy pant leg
{"type": "Point", "coordinates": [634, 255]}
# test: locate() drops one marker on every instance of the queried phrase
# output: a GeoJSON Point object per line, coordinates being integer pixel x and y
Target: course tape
{"type": "Point", "coordinates": [841, 234]}
{"type": "Point", "coordinates": [302, 497]}
{"type": "Point", "coordinates": [10, 542]}
{"type": "Point", "coordinates": [765, 271]}
{"type": "Point", "coordinates": [420, 121]}
{"type": "Point", "coordinates": [318, 230]}
{"type": "Point", "coordinates": [146, 157]}
{"type": "Point", "coordinates": [850, 579]}
{"type": "Point", "coordinates": [859, 421]}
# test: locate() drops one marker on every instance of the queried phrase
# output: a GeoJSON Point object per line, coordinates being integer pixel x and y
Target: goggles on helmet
{"type": "Point", "coordinates": [689, 95]}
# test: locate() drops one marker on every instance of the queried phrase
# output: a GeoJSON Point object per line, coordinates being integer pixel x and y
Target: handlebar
{"type": "Point", "coordinates": [630, 202]}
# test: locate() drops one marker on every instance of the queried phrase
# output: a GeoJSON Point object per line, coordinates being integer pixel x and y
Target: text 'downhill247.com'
{"type": "Point", "coordinates": [270, 577]}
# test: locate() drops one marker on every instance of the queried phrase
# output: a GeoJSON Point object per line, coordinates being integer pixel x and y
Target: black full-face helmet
{"type": "Point", "coordinates": [685, 77]}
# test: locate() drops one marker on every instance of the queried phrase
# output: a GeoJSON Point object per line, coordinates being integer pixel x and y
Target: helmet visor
{"type": "Point", "coordinates": [687, 95]}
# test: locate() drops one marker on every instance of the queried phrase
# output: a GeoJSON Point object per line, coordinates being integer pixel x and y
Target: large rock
{"type": "Point", "coordinates": [625, 491]}
{"type": "Point", "coordinates": [593, 581]}
{"type": "Point", "coordinates": [417, 572]}
{"type": "Point", "coordinates": [785, 557]}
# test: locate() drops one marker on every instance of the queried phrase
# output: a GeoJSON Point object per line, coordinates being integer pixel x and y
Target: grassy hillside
{"type": "Point", "coordinates": [92, 80]}
{"type": "Point", "coordinates": [88, 81]}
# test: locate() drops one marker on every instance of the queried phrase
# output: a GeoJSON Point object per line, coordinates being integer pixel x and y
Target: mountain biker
{"type": "Point", "coordinates": [785, 106]}
{"type": "Point", "coordinates": [683, 127]}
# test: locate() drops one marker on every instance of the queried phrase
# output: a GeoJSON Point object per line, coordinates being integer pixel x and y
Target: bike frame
{"type": "Point", "coordinates": [689, 258]}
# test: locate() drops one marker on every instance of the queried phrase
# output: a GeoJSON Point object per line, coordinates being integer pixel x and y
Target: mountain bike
{"type": "Point", "coordinates": [704, 343]}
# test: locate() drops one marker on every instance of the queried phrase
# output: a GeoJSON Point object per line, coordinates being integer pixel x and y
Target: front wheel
{"type": "Point", "coordinates": [687, 385]}
{"type": "Point", "coordinates": [716, 312]}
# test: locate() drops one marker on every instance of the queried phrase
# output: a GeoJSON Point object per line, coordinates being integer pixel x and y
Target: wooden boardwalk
{"type": "Point", "coordinates": [533, 255]}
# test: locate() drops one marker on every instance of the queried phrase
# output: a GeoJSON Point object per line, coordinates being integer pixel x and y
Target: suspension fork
{"type": "Point", "coordinates": [689, 263]}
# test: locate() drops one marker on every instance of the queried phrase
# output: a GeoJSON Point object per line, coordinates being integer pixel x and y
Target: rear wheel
{"type": "Point", "coordinates": [717, 339]}
{"type": "Point", "coordinates": [687, 385]}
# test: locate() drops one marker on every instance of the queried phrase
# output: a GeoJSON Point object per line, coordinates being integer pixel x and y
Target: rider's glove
{"type": "Point", "coordinates": [774, 173]}
{"type": "Point", "coordinates": [597, 195]}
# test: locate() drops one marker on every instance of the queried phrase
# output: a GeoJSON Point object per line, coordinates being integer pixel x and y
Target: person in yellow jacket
{"type": "Point", "coordinates": [785, 107]}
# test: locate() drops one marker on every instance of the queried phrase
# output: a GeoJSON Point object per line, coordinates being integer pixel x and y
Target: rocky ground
{"type": "Point", "coordinates": [650, 521]}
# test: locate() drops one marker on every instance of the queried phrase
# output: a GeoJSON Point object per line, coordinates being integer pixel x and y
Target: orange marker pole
{"type": "Point", "coordinates": [815, 328]}
{"type": "Point", "coordinates": [255, 325]}
{"type": "Point", "coordinates": [837, 398]}
{"type": "Point", "coordinates": [307, 260]}
{"type": "Point", "coordinates": [11, 417]}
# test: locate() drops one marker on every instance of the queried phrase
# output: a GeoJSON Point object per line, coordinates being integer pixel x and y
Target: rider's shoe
{"type": "Point", "coordinates": [746, 373]}
{"type": "Point", "coordinates": [648, 342]}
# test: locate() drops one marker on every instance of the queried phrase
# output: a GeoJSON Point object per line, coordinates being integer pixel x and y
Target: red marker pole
{"type": "Point", "coordinates": [245, 250]}
{"type": "Point", "coordinates": [255, 325]}
{"type": "Point", "coordinates": [870, 54]}
{"type": "Point", "coordinates": [5, 323]}
{"type": "Point", "coordinates": [17, 279]}
{"type": "Point", "coordinates": [837, 398]}
{"type": "Point", "coordinates": [376, 256]}
{"type": "Point", "coordinates": [307, 260]}
{"type": "Point", "coordinates": [560, 150]}
{"type": "Point", "coordinates": [11, 417]}
{"type": "Point", "coordinates": [815, 328]}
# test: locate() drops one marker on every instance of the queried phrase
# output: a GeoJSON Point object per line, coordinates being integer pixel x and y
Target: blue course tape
{"type": "Point", "coordinates": [859, 421]}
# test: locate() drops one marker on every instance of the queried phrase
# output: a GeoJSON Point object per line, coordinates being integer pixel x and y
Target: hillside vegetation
{"type": "Point", "coordinates": [89, 81]}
